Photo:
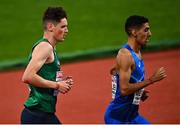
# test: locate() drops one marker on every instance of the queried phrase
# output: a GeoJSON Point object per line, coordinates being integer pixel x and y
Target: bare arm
{"type": "Point", "coordinates": [125, 63]}
{"type": "Point", "coordinates": [39, 56]}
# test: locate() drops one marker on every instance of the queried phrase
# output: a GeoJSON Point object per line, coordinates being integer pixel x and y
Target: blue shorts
{"type": "Point", "coordinates": [29, 116]}
{"type": "Point", "coordinates": [138, 120]}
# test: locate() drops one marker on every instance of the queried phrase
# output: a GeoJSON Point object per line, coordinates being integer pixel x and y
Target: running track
{"type": "Point", "coordinates": [89, 97]}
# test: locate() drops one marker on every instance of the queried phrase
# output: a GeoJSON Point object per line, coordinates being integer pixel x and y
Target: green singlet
{"type": "Point", "coordinates": [43, 99]}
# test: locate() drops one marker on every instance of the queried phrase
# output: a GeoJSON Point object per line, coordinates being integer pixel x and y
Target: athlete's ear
{"type": "Point", "coordinates": [50, 26]}
{"type": "Point", "coordinates": [133, 32]}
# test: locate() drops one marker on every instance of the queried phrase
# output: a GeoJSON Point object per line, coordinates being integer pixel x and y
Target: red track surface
{"type": "Point", "coordinates": [88, 99]}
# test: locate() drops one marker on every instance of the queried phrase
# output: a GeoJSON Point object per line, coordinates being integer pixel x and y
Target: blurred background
{"type": "Point", "coordinates": [92, 24]}
{"type": "Point", "coordinates": [96, 29]}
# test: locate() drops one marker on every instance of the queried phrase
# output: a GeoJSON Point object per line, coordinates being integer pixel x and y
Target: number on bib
{"type": "Point", "coordinates": [137, 97]}
{"type": "Point", "coordinates": [114, 86]}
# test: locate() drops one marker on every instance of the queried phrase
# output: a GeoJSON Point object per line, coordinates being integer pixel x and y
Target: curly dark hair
{"type": "Point", "coordinates": [54, 15]}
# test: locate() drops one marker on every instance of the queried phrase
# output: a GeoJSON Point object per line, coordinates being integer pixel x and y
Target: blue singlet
{"type": "Point", "coordinates": [124, 109]}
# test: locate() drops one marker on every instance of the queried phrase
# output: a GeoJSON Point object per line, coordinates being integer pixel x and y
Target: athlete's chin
{"type": "Point", "coordinates": [146, 42]}
{"type": "Point", "coordinates": [143, 44]}
{"type": "Point", "coordinates": [61, 40]}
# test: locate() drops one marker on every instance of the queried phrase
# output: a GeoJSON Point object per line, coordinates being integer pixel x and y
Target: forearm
{"type": "Point", "coordinates": [131, 88]}
{"type": "Point", "coordinates": [38, 81]}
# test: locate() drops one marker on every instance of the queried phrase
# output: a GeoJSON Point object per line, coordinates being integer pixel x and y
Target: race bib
{"type": "Point", "coordinates": [114, 86]}
{"type": "Point", "coordinates": [59, 76]}
{"type": "Point", "coordinates": [137, 97]}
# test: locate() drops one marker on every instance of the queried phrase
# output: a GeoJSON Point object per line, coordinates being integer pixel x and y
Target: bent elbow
{"type": "Point", "coordinates": [124, 92]}
{"type": "Point", "coordinates": [25, 79]}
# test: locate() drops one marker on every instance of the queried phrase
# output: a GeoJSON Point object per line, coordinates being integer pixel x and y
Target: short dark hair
{"type": "Point", "coordinates": [134, 21]}
{"type": "Point", "coordinates": [54, 15]}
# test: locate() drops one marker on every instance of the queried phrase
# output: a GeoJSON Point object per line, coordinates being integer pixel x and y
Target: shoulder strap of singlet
{"type": "Point", "coordinates": [54, 50]}
{"type": "Point", "coordinates": [128, 47]}
{"type": "Point", "coordinates": [131, 50]}
{"type": "Point", "coordinates": [42, 39]}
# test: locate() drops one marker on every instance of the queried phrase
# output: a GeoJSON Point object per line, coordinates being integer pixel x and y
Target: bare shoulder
{"type": "Point", "coordinates": [44, 45]}
{"type": "Point", "coordinates": [42, 49]}
{"type": "Point", "coordinates": [124, 53]}
{"type": "Point", "coordinates": [124, 58]}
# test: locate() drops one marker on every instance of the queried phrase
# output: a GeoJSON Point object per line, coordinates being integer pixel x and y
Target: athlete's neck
{"type": "Point", "coordinates": [51, 40]}
{"type": "Point", "coordinates": [134, 45]}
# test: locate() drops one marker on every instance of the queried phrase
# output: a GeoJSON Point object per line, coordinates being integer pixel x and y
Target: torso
{"type": "Point", "coordinates": [43, 99]}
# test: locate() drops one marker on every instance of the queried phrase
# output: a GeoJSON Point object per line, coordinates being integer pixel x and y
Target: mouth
{"type": "Point", "coordinates": [64, 35]}
{"type": "Point", "coordinates": [147, 40]}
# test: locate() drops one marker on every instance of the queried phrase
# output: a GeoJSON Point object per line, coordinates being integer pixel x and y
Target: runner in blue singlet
{"type": "Point", "coordinates": [128, 76]}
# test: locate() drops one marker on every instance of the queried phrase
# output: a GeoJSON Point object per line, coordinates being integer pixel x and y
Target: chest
{"type": "Point", "coordinates": [138, 72]}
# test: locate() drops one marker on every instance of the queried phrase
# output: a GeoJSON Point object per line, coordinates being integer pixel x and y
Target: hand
{"type": "Point", "coordinates": [69, 80]}
{"type": "Point", "coordinates": [65, 85]}
{"type": "Point", "coordinates": [145, 95]}
{"type": "Point", "coordinates": [158, 75]}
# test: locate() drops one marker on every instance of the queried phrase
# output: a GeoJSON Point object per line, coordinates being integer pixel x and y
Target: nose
{"type": "Point", "coordinates": [150, 34]}
{"type": "Point", "coordinates": [66, 30]}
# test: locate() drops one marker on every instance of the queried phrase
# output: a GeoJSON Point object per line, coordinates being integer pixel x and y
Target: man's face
{"type": "Point", "coordinates": [143, 34]}
{"type": "Point", "coordinates": [61, 30]}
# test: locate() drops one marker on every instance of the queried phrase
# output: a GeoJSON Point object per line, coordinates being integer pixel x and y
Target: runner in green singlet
{"type": "Point", "coordinates": [43, 74]}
